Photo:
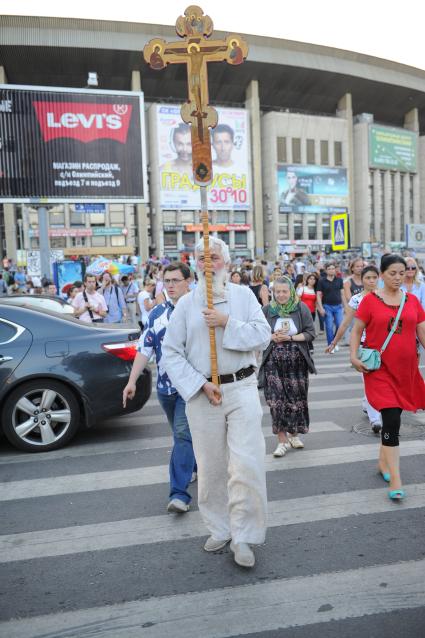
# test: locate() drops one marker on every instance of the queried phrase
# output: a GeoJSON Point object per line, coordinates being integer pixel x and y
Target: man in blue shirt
{"type": "Point", "coordinates": [182, 462]}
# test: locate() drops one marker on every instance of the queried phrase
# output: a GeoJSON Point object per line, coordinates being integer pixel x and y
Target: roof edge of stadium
{"type": "Point", "coordinates": [40, 31]}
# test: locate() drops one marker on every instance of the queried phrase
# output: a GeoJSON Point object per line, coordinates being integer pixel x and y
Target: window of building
{"type": "Point", "coordinates": [77, 219]}
{"type": "Point", "coordinates": [338, 153]}
{"type": "Point", "coordinates": [310, 152]}
{"type": "Point", "coordinates": [169, 217]}
{"type": "Point", "coordinates": [56, 219]}
{"type": "Point", "coordinates": [241, 239]}
{"type": "Point", "coordinates": [224, 237]}
{"type": "Point", "coordinates": [239, 217]}
{"type": "Point", "coordinates": [281, 150]}
{"type": "Point", "coordinates": [222, 217]}
{"type": "Point", "coordinates": [170, 240]}
{"type": "Point", "coordinates": [114, 208]}
{"type": "Point", "coordinates": [78, 241]}
{"type": "Point", "coordinates": [326, 227]}
{"type": "Point", "coordinates": [324, 152]}
{"type": "Point", "coordinates": [99, 241]}
{"type": "Point", "coordinates": [117, 240]}
{"type": "Point", "coordinates": [186, 217]}
{"type": "Point", "coordinates": [188, 239]}
{"type": "Point", "coordinates": [57, 242]}
{"type": "Point", "coordinates": [117, 218]}
{"type": "Point", "coordinates": [97, 219]}
{"type": "Point", "coordinates": [283, 226]}
{"type": "Point", "coordinates": [298, 227]}
{"type": "Point", "coordinates": [296, 150]}
{"type": "Point", "coordinates": [312, 227]}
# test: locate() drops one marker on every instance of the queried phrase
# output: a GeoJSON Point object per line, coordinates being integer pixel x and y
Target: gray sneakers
{"type": "Point", "coordinates": [212, 545]}
{"type": "Point", "coordinates": [177, 506]}
{"type": "Point", "coordinates": [243, 554]}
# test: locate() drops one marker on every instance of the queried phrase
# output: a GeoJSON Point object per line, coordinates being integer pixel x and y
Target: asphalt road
{"type": "Point", "coordinates": [87, 548]}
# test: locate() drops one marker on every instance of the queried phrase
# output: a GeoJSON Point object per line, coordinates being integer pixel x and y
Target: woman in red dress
{"type": "Point", "coordinates": [398, 384]}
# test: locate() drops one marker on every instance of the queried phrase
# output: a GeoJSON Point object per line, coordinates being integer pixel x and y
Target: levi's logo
{"type": "Point", "coordinates": [83, 121]}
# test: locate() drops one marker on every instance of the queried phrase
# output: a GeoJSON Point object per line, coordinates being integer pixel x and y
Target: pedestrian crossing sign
{"type": "Point", "coordinates": [339, 231]}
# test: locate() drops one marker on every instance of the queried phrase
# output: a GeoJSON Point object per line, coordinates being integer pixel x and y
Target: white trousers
{"type": "Point", "coordinates": [229, 448]}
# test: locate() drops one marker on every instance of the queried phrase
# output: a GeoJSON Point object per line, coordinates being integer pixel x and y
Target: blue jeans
{"type": "Point", "coordinates": [332, 314]}
{"type": "Point", "coordinates": [182, 461]}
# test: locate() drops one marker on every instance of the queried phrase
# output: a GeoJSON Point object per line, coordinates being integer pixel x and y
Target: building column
{"type": "Point", "coordinates": [252, 104]}
{"type": "Point", "coordinates": [406, 202]}
{"type": "Point", "coordinates": [387, 208]}
{"type": "Point", "coordinates": [416, 200]}
{"type": "Point", "coordinates": [142, 211]}
{"type": "Point", "coordinates": [319, 227]}
{"type": "Point", "coordinates": [397, 211]}
{"type": "Point", "coordinates": [377, 205]}
{"type": "Point", "coordinates": [411, 120]}
{"type": "Point", "coordinates": [3, 76]}
{"type": "Point", "coordinates": [345, 110]}
{"type": "Point", "coordinates": [10, 226]}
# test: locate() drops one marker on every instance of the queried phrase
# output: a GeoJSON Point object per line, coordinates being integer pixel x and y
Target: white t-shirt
{"type": "Point", "coordinates": [95, 299]}
{"type": "Point", "coordinates": [354, 303]}
{"type": "Point", "coordinates": [144, 314]}
{"type": "Point", "coordinates": [281, 322]}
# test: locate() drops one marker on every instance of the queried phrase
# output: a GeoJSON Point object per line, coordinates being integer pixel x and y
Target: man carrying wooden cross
{"type": "Point", "coordinates": [210, 342]}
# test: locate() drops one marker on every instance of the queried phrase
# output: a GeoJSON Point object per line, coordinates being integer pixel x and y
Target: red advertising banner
{"type": "Point", "coordinates": [71, 145]}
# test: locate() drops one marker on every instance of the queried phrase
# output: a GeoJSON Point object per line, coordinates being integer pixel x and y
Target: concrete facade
{"type": "Point", "coordinates": [293, 92]}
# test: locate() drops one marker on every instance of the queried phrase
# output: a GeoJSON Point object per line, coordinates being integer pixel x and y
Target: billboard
{"type": "Point", "coordinates": [392, 148]}
{"type": "Point", "coordinates": [71, 145]}
{"type": "Point", "coordinates": [415, 236]}
{"type": "Point", "coordinates": [230, 188]}
{"type": "Point", "coordinates": [312, 189]}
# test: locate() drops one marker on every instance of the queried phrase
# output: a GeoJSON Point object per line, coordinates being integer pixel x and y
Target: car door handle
{"type": "Point", "coordinates": [3, 359]}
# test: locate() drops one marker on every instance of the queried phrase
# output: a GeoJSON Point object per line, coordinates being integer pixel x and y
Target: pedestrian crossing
{"type": "Point", "coordinates": [84, 551]}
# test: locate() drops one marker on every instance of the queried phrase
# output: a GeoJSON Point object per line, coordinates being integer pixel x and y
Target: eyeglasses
{"type": "Point", "coordinates": [172, 282]}
{"type": "Point", "coordinates": [411, 268]}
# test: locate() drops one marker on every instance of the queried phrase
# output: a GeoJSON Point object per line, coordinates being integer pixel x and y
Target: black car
{"type": "Point", "coordinates": [58, 373]}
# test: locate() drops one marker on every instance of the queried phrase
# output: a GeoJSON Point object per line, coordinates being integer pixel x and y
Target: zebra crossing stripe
{"type": "Point", "coordinates": [137, 477]}
{"type": "Point", "coordinates": [171, 528]}
{"type": "Point", "coordinates": [244, 609]}
{"type": "Point", "coordinates": [134, 445]}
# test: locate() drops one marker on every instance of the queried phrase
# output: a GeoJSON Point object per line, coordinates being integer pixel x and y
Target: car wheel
{"type": "Point", "coordinates": [40, 416]}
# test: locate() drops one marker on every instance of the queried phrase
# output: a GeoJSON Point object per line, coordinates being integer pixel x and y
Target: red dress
{"type": "Point", "coordinates": [398, 382]}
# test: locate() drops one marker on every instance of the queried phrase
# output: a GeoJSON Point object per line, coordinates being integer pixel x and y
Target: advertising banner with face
{"type": "Point", "coordinates": [71, 145]}
{"type": "Point", "coordinates": [312, 189]}
{"type": "Point", "coordinates": [230, 188]}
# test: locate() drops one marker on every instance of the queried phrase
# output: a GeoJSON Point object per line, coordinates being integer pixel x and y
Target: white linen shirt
{"type": "Point", "coordinates": [186, 346]}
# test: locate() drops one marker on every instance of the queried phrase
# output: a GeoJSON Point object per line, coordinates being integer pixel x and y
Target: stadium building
{"type": "Point", "coordinates": [314, 131]}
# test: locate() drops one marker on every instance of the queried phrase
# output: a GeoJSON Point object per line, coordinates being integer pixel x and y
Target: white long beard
{"type": "Point", "coordinates": [219, 280]}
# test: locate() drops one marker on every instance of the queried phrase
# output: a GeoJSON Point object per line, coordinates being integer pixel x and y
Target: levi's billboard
{"type": "Point", "coordinates": [71, 145]}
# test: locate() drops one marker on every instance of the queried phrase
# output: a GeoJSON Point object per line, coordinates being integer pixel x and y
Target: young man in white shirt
{"type": "Point", "coordinates": [89, 305]}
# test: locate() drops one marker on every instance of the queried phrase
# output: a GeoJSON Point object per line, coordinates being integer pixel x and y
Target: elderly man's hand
{"type": "Point", "coordinates": [214, 318]}
{"type": "Point", "coordinates": [213, 393]}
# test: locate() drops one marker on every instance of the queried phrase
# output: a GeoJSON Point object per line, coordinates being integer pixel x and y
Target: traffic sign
{"type": "Point", "coordinates": [339, 231]}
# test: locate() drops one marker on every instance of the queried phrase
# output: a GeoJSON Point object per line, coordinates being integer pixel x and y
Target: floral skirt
{"type": "Point", "coordinates": [286, 389]}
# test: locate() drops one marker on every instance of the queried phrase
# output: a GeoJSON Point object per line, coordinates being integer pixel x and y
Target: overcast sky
{"type": "Point", "coordinates": [387, 29]}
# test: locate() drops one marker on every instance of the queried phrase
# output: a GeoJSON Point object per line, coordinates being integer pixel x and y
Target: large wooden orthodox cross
{"type": "Point", "coordinates": [196, 51]}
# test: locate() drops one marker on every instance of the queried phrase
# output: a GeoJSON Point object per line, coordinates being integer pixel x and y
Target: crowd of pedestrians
{"type": "Point", "coordinates": [266, 317]}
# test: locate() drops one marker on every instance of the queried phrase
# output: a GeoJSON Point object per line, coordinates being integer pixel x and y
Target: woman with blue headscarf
{"type": "Point", "coordinates": [286, 365]}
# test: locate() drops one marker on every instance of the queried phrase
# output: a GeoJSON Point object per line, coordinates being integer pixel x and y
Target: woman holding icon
{"type": "Point", "coordinates": [286, 365]}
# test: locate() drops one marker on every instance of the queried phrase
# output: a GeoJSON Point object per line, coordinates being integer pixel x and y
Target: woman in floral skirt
{"type": "Point", "coordinates": [286, 365]}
